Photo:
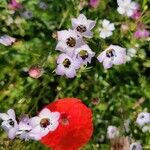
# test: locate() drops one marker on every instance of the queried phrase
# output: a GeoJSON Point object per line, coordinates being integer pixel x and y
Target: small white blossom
{"type": "Point", "coordinates": [136, 146]}
{"type": "Point", "coordinates": [112, 132]}
{"type": "Point", "coordinates": [45, 122]}
{"type": "Point", "coordinates": [106, 29]}
{"type": "Point", "coordinates": [146, 128]}
{"type": "Point", "coordinates": [83, 26]}
{"type": "Point", "coordinates": [143, 118]}
{"type": "Point", "coordinates": [131, 52]}
{"type": "Point", "coordinates": [112, 55]}
{"type": "Point", "coordinates": [126, 7]}
{"type": "Point", "coordinates": [67, 65]}
{"type": "Point", "coordinates": [68, 41]}
{"type": "Point", "coordinates": [9, 123]}
{"type": "Point", "coordinates": [84, 54]}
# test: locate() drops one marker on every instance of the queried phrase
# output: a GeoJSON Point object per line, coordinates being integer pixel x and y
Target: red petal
{"type": "Point", "coordinates": [74, 134]}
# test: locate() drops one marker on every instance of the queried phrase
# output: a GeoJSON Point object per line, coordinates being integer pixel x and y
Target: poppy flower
{"type": "Point", "coordinates": [75, 125]}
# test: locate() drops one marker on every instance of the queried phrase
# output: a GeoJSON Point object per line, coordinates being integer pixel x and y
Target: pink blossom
{"type": "Point", "coordinates": [35, 71]}
{"type": "Point", "coordinates": [136, 15]}
{"type": "Point", "coordinates": [15, 5]}
{"type": "Point", "coordinates": [94, 3]}
{"type": "Point", "coordinates": [141, 33]}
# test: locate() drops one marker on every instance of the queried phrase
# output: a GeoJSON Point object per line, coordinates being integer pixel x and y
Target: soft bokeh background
{"type": "Point", "coordinates": [124, 90]}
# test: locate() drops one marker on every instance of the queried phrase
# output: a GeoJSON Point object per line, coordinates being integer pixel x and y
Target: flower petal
{"type": "Point", "coordinates": [60, 70]}
{"type": "Point", "coordinates": [102, 56]}
{"type": "Point", "coordinates": [45, 113]}
{"type": "Point", "coordinates": [4, 116]}
{"type": "Point", "coordinates": [12, 133]}
{"type": "Point", "coordinates": [34, 121]}
{"type": "Point", "coordinates": [11, 114]}
{"type": "Point", "coordinates": [107, 63]}
{"type": "Point", "coordinates": [70, 73]}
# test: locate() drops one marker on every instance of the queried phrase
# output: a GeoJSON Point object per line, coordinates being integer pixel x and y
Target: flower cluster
{"type": "Point", "coordinates": [29, 128]}
{"type": "Point", "coordinates": [54, 125]}
{"type": "Point", "coordinates": [75, 51]}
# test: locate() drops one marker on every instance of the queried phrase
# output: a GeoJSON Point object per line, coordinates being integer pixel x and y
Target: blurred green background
{"type": "Point", "coordinates": [119, 89]}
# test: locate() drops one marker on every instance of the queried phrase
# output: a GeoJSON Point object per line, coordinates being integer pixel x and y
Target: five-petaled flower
{"type": "Point", "coordinates": [68, 40]}
{"type": "Point", "coordinates": [112, 132]}
{"type": "Point", "coordinates": [84, 54]}
{"type": "Point", "coordinates": [126, 7]}
{"type": "Point", "coordinates": [106, 29]}
{"type": "Point", "coordinates": [112, 55]}
{"type": "Point", "coordinates": [143, 118]}
{"type": "Point", "coordinates": [136, 146]}
{"type": "Point", "coordinates": [7, 40]}
{"type": "Point", "coordinates": [45, 122]}
{"type": "Point", "coordinates": [67, 65]}
{"type": "Point", "coordinates": [9, 123]}
{"type": "Point", "coordinates": [83, 26]}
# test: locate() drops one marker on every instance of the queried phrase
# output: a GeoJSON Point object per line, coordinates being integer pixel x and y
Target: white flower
{"type": "Point", "coordinates": [9, 123]}
{"type": "Point", "coordinates": [112, 132]}
{"type": "Point", "coordinates": [7, 40]}
{"type": "Point", "coordinates": [44, 123]}
{"type": "Point", "coordinates": [106, 29]}
{"type": "Point", "coordinates": [126, 7]}
{"type": "Point", "coordinates": [143, 118]}
{"type": "Point", "coordinates": [112, 55]}
{"type": "Point", "coordinates": [136, 146]}
{"type": "Point", "coordinates": [67, 65]}
{"type": "Point", "coordinates": [83, 26]}
{"type": "Point", "coordinates": [84, 54]}
{"type": "Point", "coordinates": [131, 52]}
{"type": "Point", "coordinates": [146, 128]}
{"type": "Point", "coordinates": [68, 40]}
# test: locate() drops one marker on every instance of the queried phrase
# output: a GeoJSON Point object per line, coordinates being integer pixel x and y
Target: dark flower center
{"type": "Point", "coordinates": [83, 54]}
{"type": "Point", "coordinates": [11, 122]}
{"type": "Point", "coordinates": [71, 42]}
{"type": "Point", "coordinates": [81, 28]}
{"type": "Point", "coordinates": [45, 122]}
{"type": "Point", "coordinates": [66, 63]}
{"type": "Point", "coordinates": [110, 53]}
{"type": "Point", "coordinates": [142, 117]}
{"type": "Point", "coordinates": [134, 147]}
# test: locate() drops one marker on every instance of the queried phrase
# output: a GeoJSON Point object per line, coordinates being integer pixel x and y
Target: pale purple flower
{"type": "Point", "coordinates": [26, 131]}
{"type": "Point", "coordinates": [112, 132]}
{"type": "Point", "coordinates": [7, 40]}
{"type": "Point", "coordinates": [43, 5]}
{"type": "Point", "coordinates": [143, 118]}
{"type": "Point", "coordinates": [83, 26]}
{"type": "Point", "coordinates": [94, 3]}
{"type": "Point", "coordinates": [9, 123]}
{"type": "Point", "coordinates": [45, 122]}
{"type": "Point", "coordinates": [68, 40]}
{"type": "Point", "coordinates": [67, 66]}
{"type": "Point", "coordinates": [15, 5]}
{"type": "Point", "coordinates": [27, 14]}
{"type": "Point", "coordinates": [126, 7]}
{"type": "Point", "coordinates": [84, 54]}
{"type": "Point", "coordinates": [136, 146]}
{"type": "Point", "coordinates": [141, 33]}
{"type": "Point", "coordinates": [106, 29]}
{"type": "Point", "coordinates": [114, 54]}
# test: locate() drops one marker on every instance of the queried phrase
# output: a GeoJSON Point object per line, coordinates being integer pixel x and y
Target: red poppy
{"type": "Point", "coordinates": [75, 125]}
